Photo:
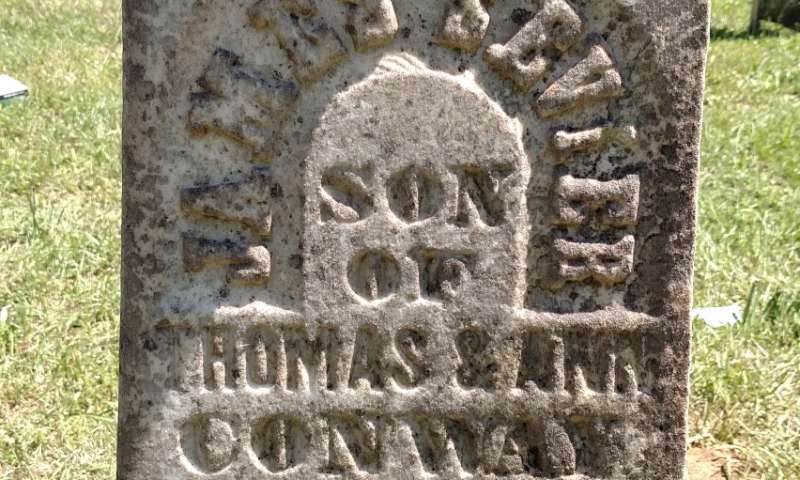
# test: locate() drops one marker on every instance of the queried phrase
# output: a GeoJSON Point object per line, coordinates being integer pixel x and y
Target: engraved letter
{"type": "Point", "coordinates": [559, 454]}
{"type": "Point", "coordinates": [442, 273]}
{"type": "Point", "coordinates": [246, 264]}
{"type": "Point", "coordinates": [373, 274]}
{"type": "Point", "coordinates": [354, 444]}
{"type": "Point", "coordinates": [448, 448]}
{"type": "Point", "coordinates": [299, 359]}
{"type": "Point", "coordinates": [262, 356]}
{"type": "Point", "coordinates": [527, 447]}
{"type": "Point", "coordinates": [208, 443]}
{"type": "Point", "coordinates": [601, 262]}
{"type": "Point", "coordinates": [371, 23]}
{"type": "Point", "coordinates": [539, 368]}
{"type": "Point", "coordinates": [241, 104]}
{"type": "Point", "coordinates": [478, 360]}
{"type": "Point", "coordinates": [281, 442]}
{"type": "Point", "coordinates": [481, 199]}
{"type": "Point", "coordinates": [368, 362]}
{"type": "Point", "coordinates": [593, 138]}
{"type": "Point", "coordinates": [344, 196]}
{"type": "Point", "coordinates": [311, 45]}
{"type": "Point", "coordinates": [415, 194]}
{"type": "Point", "coordinates": [593, 79]}
{"type": "Point", "coordinates": [412, 365]}
{"type": "Point", "coordinates": [220, 360]}
{"type": "Point", "coordinates": [556, 25]}
{"type": "Point", "coordinates": [501, 451]}
{"type": "Point", "coordinates": [615, 202]}
{"type": "Point", "coordinates": [246, 203]}
{"type": "Point", "coordinates": [464, 25]}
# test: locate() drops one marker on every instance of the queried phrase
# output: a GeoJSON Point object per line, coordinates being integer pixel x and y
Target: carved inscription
{"type": "Point", "coordinates": [246, 203]}
{"type": "Point", "coordinates": [368, 359]}
{"type": "Point", "coordinates": [345, 197]}
{"type": "Point", "coordinates": [464, 24]}
{"type": "Point", "coordinates": [443, 273]}
{"type": "Point", "coordinates": [604, 263]}
{"type": "Point", "coordinates": [208, 443]}
{"type": "Point", "coordinates": [312, 46]}
{"type": "Point", "coordinates": [614, 203]}
{"type": "Point", "coordinates": [594, 138]}
{"type": "Point", "coordinates": [442, 446]}
{"type": "Point", "coordinates": [395, 360]}
{"type": "Point", "coordinates": [373, 274]}
{"type": "Point", "coordinates": [542, 448]}
{"type": "Point", "coordinates": [600, 376]}
{"type": "Point", "coordinates": [241, 104]}
{"type": "Point", "coordinates": [523, 59]}
{"type": "Point", "coordinates": [581, 203]}
{"type": "Point", "coordinates": [415, 194]}
{"type": "Point", "coordinates": [481, 197]}
{"type": "Point", "coordinates": [371, 23]}
{"type": "Point", "coordinates": [446, 446]}
{"type": "Point", "coordinates": [246, 264]}
{"type": "Point", "coordinates": [288, 359]}
{"type": "Point", "coordinates": [281, 442]}
{"type": "Point", "coordinates": [354, 444]}
{"type": "Point", "coordinates": [593, 79]}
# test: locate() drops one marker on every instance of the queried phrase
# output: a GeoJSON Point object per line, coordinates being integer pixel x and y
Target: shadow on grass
{"type": "Point", "coordinates": [725, 33]}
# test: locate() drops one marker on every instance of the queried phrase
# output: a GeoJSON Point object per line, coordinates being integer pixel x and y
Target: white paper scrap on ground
{"type": "Point", "coordinates": [716, 317]}
{"type": "Point", "coordinates": [10, 88]}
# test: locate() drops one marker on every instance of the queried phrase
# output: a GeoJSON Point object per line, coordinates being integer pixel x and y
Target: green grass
{"type": "Point", "coordinates": [746, 379]}
{"type": "Point", "coordinates": [59, 247]}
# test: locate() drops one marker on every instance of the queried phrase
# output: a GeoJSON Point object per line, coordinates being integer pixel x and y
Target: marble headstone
{"type": "Point", "coordinates": [407, 239]}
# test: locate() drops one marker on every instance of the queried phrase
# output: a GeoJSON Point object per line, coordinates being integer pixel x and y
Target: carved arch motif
{"type": "Point", "coordinates": [250, 107]}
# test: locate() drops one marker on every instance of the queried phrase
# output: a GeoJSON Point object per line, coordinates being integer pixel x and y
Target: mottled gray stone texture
{"type": "Point", "coordinates": [396, 239]}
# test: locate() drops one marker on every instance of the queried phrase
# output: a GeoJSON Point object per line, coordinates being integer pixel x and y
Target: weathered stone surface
{"type": "Point", "coordinates": [393, 239]}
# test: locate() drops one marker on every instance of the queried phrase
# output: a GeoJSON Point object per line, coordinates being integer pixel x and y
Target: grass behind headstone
{"type": "Point", "coordinates": [746, 379]}
{"type": "Point", "coordinates": [59, 242]}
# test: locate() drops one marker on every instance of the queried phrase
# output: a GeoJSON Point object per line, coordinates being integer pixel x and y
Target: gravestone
{"type": "Point", "coordinates": [785, 12]}
{"type": "Point", "coordinates": [395, 239]}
